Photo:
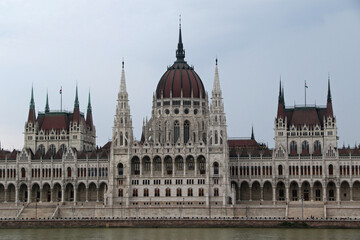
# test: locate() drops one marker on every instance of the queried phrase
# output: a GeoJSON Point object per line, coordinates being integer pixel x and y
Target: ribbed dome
{"type": "Point", "coordinates": [180, 77]}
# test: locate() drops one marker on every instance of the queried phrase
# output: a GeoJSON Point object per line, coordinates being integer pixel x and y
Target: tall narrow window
{"type": "Point", "coordinates": [216, 137]}
{"type": "Point", "coordinates": [176, 131]}
{"type": "Point", "coordinates": [216, 168]}
{"type": "Point", "coordinates": [293, 147]}
{"type": "Point", "coordinates": [186, 131]}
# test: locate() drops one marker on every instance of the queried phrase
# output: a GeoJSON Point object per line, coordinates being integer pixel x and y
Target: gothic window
{"type": "Point", "coordinates": [190, 192]}
{"type": "Point", "coordinates": [305, 147]}
{"type": "Point", "coordinates": [69, 172]}
{"type": "Point", "coordinates": [194, 137]}
{"type": "Point", "coordinates": [317, 146]}
{"type": "Point", "coordinates": [280, 170]}
{"type": "Point", "coordinates": [157, 192]}
{"type": "Point", "coordinates": [157, 164]}
{"type": "Point", "coordinates": [216, 192]}
{"type": "Point", "coordinates": [201, 165]}
{"type": "Point", "coordinates": [135, 192]}
{"type": "Point", "coordinates": [331, 170]}
{"type": "Point", "coordinates": [201, 192]}
{"type": "Point", "coordinates": [135, 166]}
{"type": "Point", "coordinates": [52, 149]}
{"type": "Point", "coordinates": [146, 192]}
{"type": "Point", "coordinates": [204, 138]}
{"type": "Point", "coordinates": [120, 193]}
{"type": "Point", "coordinates": [179, 163]}
{"type": "Point", "coordinates": [63, 148]}
{"type": "Point", "coordinates": [168, 165]}
{"type": "Point", "coordinates": [330, 152]}
{"type": "Point", "coordinates": [176, 131]}
{"type": "Point", "coordinates": [216, 137]}
{"type": "Point", "coordinates": [178, 192]}
{"type": "Point", "coordinates": [121, 139]}
{"type": "Point", "coordinates": [186, 131]}
{"type": "Point", "coordinates": [293, 147]}
{"type": "Point", "coordinates": [147, 165]}
{"type": "Point", "coordinates": [120, 169]}
{"type": "Point", "coordinates": [23, 173]}
{"type": "Point", "coordinates": [216, 168]}
{"type": "Point", "coordinates": [168, 192]}
{"type": "Point", "coordinates": [190, 163]}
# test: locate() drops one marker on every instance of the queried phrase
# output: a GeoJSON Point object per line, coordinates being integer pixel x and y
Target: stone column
{"type": "Point", "coordinates": [184, 167]}
{"type": "Point", "coordinates": [29, 195]}
{"type": "Point", "coordinates": [41, 195]}
{"type": "Point", "coordinates": [351, 194]}
{"type": "Point", "coordinates": [311, 194]}
{"type": "Point", "coordinates": [300, 194]}
{"type": "Point", "coordinates": [250, 195]}
{"type": "Point", "coordinates": [324, 194]}
{"type": "Point", "coordinates": [51, 195]}
{"type": "Point", "coordinates": [151, 167]}
{"type": "Point", "coordinates": [97, 194]}
{"type": "Point", "coordinates": [338, 195]}
{"type": "Point", "coordinates": [62, 194]}
{"type": "Point", "coordinates": [287, 193]}
{"type": "Point", "coordinates": [274, 195]}
{"type": "Point", "coordinates": [261, 194]}
{"type": "Point", "coordinates": [5, 200]}
{"type": "Point", "coordinates": [162, 167]}
{"type": "Point", "coordinates": [195, 162]}
{"type": "Point", "coordinates": [16, 195]}
{"type": "Point", "coordinates": [75, 194]}
{"type": "Point", "coordinates": [141, 170]}
{"type": "Point", "coordinates": [87, 194]}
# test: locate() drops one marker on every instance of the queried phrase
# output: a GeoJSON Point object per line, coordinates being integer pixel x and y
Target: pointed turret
{"type": "Point", "coordinates": [47, 108]}
{"type": "Point", "coordinates": [89, 120]}
{"type": "Point", "coordinates": [252, 133]}
{"type": "Point", "coordinates": [76, 107]}
{"type": "Point", "coordinates": [216, 87]}
{"type": "Point", "coordinates": [123, 82]}
{"type": "Point", "coordinates": [281, 102]}
{"type": "Point", "coordinates": [329, 108]}
{"type": "Point", "coordinates": [32, 117]}
{"type": "Point", "coordinates": [180, 52]}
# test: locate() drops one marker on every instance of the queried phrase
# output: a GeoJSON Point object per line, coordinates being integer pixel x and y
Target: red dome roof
{"type": "Point", "coordinates": [180, 77]}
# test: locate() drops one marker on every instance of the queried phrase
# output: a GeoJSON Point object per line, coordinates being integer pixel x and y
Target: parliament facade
{"type": "Point", "coordinates": [184, 164]}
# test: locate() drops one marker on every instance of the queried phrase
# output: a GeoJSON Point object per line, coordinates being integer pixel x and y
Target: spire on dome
{"type": "Point", "coordinates": [180, 52]}
{"type": "Point", "coordinates": [76, 104]}
{"type": "Point", "coordinates": [47, 108]}
{"type": "Point", "coordinates": [252, 133]}
{"type": "Point", "coordinates": [123, 82]}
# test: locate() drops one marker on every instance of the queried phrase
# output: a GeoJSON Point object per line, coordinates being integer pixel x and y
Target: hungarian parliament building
{"type": "Point", "coordinates": [184, 162]}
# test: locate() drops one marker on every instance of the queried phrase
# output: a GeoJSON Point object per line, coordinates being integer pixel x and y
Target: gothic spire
{"type": "Point", "coordinates": [329, 91]}
{"type": "Point", "coordinates": [329, 108]}
{"type": "Point", "coordinates": [180, 52]}
{"type": "Point", "coordinates": [281, 101]}
{"type": "Point", "coordinates": [89, 104]}
{"type": "Point", "coordinates": [216, 88]}
{"type": "Point", "coordinates": [31, 116]}
{"type": "Point", "coordinates": [89, 121]}
{"type": "Point", "coordinates": [32, 102]}
{"type": "Point", "coordinates": [47, 108]}
{"type": "Point", "coordinates": [252, 133]}
{"type": "Point", "coordinates": [76, 104]}
{"type": "Point", "coordinates": [123, 82]}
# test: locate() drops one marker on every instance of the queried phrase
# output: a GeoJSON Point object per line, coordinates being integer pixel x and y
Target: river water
{"type": "Point", "coordinates": [180, 233]}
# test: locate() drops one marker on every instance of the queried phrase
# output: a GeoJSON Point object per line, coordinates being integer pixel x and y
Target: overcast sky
{"type": "Point", "coordinates": [49, 44]}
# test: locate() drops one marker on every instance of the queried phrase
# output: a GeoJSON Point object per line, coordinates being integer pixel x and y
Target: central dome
{"type": "Point", "coordinates": [180, 78]}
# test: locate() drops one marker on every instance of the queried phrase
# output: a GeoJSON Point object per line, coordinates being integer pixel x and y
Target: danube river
{"type": "Point", "coordinates": [180, 233]}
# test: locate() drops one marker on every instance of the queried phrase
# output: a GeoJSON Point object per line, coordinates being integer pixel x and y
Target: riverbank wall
{"type": "Point", "coordinates": [178, 223]}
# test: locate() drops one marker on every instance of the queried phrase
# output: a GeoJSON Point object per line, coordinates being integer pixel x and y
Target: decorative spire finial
{"type": "Point", "coordinates": [89, 104]}
{"type": "Point", "coordinates": [180, 52]}
{"type": "Point", "coordinates": [76, 104]}
{"type": "Point", "coordinates": [252, 133]}
{"type": "Point", "coordinates": [32, 102]}
{"type": "Point", "coordinates": [47, 108]}
{"type": "Point", "coordinates": [329, 91]}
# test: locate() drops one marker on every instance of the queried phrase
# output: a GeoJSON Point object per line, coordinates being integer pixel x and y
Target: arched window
{"type": "Point", "coordinates": [121, 192]}
{"type": "Point", "coordinates": [293, 147]}
{"type": "Point", "coordinates": [135, 166]}
{"type": "Point", "coordinates": [69, 171]}
{"type": "Point", "coordinates": [216, 192]}
{"type": "Point", "coordinates": [331, 170]}
{"type": "Point", "coordinates": [216, 137]}
{"type": "Point", "coordinates": [202, 164]}
{"type": "Point", "coordinates": [23, 173]}
{"type": "Point", "coordinates": [146, 192]}
{"type": "Point", "coordinates": [178, 192]}
{"type": "Point", "coordinates": [168, 192]}
{"type": "Point", "coordinates": [135, 192]}
{"type": "Point", "coordinates": [121, 139]}
{"type": "Point", "coordinates": [157, 164]}
{"type": "Point", "coordinates": [317, 146]}
{"type": "Point", "coordinates": [216, 168]}
{"type": "Point", "coordinates": [42, 149]}
{"type": "Point", "coordinates": [201, 192]}
{"type": "Point", "coordinates": [186, 131]}
{"type": "Point", "coordinates": [176, 131]}
{"type": "Point", "coordinates": [280, 170]}
{"type": "Point", "coordinates": [157, 192]}
{"type": "Point", "coordinates": [305, 147]}
{"type": "Point", "coordinates": [168, 165]}
{"type": "Point", "coordinates": [52, 149]}
{"type": "Point", "coordinates": [63, 148]}
{"type": "Point", "coordinates": [190, 192]}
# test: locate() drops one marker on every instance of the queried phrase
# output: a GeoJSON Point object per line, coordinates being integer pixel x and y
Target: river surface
{"type": "Point", "coordinates": [180, 233]}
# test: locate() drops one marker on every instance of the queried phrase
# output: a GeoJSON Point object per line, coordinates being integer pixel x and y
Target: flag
{"type": "Point", "coordinates": [60, 90]}
{"type": "Point", "coordinates": [306, 86]}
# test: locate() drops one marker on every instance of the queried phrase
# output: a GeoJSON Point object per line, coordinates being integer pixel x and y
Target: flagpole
{"type": "Point", "coordinates": [305, 93]}
{"type": "Point", "coordinates": [60, 98]}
